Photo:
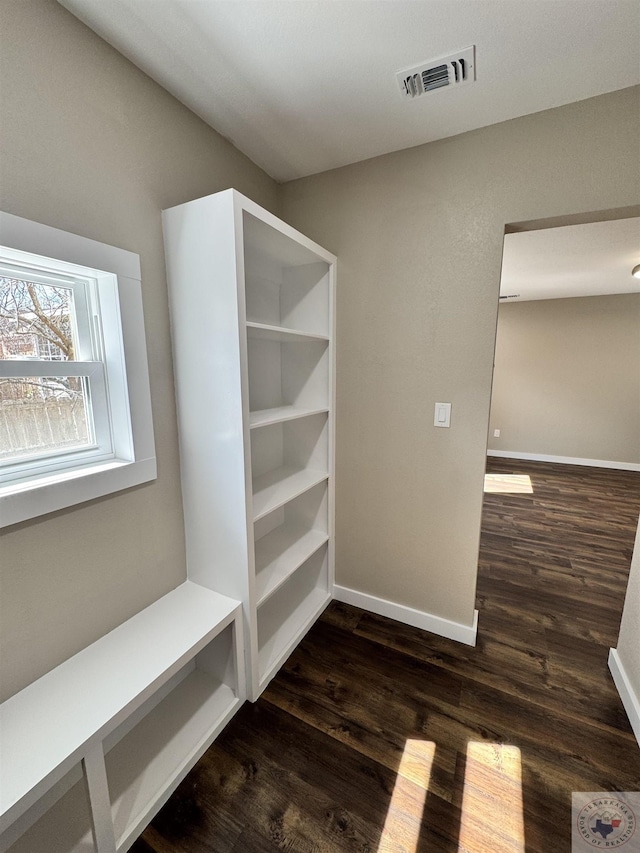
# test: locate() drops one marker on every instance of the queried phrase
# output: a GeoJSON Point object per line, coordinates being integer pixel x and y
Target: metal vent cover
{"type": "Point", "coordinates": [453, 70]}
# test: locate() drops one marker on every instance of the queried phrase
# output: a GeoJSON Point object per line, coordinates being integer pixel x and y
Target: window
{"type": "Point", "coordinates": [54, 409]}
{"type": "Point", "coordinates": [75, 413]}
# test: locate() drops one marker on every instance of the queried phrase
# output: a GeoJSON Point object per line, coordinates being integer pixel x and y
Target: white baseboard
{"type": "Point", "coordinates": [565, 460]}
{"type": "Point", "coordinates": [416, 618]}
{"type": "Point", "coordinates": [629, 699]}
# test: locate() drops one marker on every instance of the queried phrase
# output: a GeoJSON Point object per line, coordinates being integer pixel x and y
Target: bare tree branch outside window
{"type": "Point", "coordinates": [33, 315]}
{"type": "Point", "coordinates": [39, 412]}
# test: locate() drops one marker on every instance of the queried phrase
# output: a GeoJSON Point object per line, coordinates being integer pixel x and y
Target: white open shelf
{"type": "Point", "coordinates": [286, 283]}
{"type": "Point", "coordinates": [264, 417]}
{"type": "Point", "coordinates": [152, 695]}
{"type": "Point", "coordinates": [276, 488]}
{"type": "Point", "coordinates": [148, 763]}
{"type": "Point", "coordinates": [143, 768]}
{"type": "Point", "coordinates": [287, 537]}
{"type": "Point", "coordinates": [288, 373]}
{"type": "Point", "coordinates": [285, 617]}
{"type": "Point", "coordinates": [280, 556]}
{"type": "Point", "coordinates": [287, 459]}
{"type": "Point", "coordinates": [268, 332]}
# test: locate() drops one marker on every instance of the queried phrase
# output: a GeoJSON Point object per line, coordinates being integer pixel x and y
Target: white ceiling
{"type": "Point", "coordinates": [302, 86]}
{"type": "Point", "coordinates": [575, 260]}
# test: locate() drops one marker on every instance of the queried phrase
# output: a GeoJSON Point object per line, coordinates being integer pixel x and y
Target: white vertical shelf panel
{"type": "Point", "coordinates": [95, 775]}
{"type": "Point", "coordinates": [204, 262]}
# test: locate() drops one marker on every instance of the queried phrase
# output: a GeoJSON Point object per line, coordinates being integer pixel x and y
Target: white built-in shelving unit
{"type": "Point", "coordinates": [92, 750]}
{"type": "Point", "coordinates": [253, 336]}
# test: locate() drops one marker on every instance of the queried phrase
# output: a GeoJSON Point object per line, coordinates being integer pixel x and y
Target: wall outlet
{"type": "Point", "coordinates": [496, 433]}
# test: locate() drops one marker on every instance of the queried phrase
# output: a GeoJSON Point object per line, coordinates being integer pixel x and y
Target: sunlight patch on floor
{"type": "Point", "coordinates": [401, 831]}
{"type": "Point", "coordinates": [492, 809]}
{"type": "Point", "coordinates": [506, 484]}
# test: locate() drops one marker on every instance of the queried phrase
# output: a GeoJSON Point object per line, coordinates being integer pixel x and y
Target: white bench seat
{"type": "Point", "coordinates": [152, 694]}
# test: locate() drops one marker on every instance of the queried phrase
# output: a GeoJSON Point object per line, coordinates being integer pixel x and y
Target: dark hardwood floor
{"type": "Point", "coordinates": [377, 737]}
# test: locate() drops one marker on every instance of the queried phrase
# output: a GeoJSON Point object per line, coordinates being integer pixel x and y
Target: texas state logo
{"type": "Point", "coordinates": [606, 821]}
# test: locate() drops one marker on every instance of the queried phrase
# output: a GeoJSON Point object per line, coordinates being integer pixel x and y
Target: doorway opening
{"type": "Point", "coordinates": [562, 484]}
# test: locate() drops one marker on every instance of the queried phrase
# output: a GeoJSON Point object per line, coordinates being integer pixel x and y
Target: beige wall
{"type": "Point", "coordinates": [419, 237]}
{"type": "Point", "coordinates": [566, 380]}
{"type": "Point", "coordinates": [93, 146]}
{"type": "Point", "coordinates": [629, 638]}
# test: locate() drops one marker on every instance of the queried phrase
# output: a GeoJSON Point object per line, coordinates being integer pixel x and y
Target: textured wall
{"type": "Point", "coordinates": [91, 145]}
{"type": "Point", "coordinates": [567, 378]}
{"type": "Point", "coordinates": [419, 236]}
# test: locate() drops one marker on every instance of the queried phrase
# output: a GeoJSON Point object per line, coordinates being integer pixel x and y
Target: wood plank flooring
{"type": "Point", "coordinates": [379, 738]}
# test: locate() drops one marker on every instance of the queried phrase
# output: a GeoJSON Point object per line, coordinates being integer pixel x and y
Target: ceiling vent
{"type": "Point", "coordinates": [453, 70]}
{"type": "Point", "coordinates": [511, 296]}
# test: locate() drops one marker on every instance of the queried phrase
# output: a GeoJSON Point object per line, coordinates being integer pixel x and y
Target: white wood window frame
{"type": "Point", "coordinates": [120, 379]}
{"type": "Point", "coordinates": [96, 358]}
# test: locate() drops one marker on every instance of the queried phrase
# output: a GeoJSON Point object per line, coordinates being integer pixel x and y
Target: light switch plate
{"type": "Point", "coordinates": [442, 416]}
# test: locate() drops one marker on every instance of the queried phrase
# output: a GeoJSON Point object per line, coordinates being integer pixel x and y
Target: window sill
{"type": "Point", "coordinates": [39, 495]}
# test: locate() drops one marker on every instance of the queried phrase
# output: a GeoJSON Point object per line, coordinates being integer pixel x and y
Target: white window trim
{"type": "Point", "coordinates": [130, 398]}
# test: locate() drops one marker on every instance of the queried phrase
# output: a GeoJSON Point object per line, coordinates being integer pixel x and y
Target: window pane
{"type": "Point", "coordinates": [43, 415]}
{"type": "Point", "coordinates": [36, 321]}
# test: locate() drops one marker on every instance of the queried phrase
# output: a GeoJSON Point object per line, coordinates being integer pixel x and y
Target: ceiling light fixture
{"type": "Point", "coordinates": [636, 271]}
